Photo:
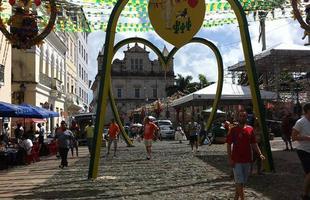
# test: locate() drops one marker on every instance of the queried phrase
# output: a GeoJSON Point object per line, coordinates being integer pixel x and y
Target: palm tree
{"type": "Point", "coordinates": [183, 82]}
{"type": "Point", "coordinates": [203, 82]}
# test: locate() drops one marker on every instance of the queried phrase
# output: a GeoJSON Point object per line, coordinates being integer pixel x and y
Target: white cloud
{"type": "Point", "coordinates": [193, 58]}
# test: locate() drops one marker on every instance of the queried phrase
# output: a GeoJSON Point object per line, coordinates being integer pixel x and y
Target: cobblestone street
{"type": "Point", "coordinates": [173, 173]}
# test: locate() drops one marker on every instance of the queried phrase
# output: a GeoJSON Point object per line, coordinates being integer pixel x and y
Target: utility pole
{"type": "Point", "coordinates": [262, 35]}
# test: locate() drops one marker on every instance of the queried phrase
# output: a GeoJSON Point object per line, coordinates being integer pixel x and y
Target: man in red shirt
{"type": "Point", "coordinates": [113, 133]}
{"type": "Point", "coordinates": [150, 130]}
{"type": "Point", "coordinates": [240, 140]}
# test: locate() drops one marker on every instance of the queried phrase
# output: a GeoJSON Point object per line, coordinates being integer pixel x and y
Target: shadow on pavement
{"type": "Point", "coordinates": [285, 183]}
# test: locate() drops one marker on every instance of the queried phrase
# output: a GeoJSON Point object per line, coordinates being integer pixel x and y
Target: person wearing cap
{"type": "Point", "coordinates": [150, 130]}
{"type": "Point", "coordinates": [64, 138]}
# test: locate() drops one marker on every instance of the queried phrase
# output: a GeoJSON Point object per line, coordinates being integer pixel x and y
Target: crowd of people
{"type": "Point", "coordinates": [243, 142]}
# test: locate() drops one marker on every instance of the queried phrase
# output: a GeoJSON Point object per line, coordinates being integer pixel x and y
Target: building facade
{"type": "Point", "coordinates": [72, 104]}
{"type": "Point", "coordinates": [5, 74]}
{"type": "Point", "coordinates": [83, 84]}
{"type": "Point", "coordinates": [5, 69]}
{"type": "Point", "coordinates": [38, 76]}
{"type": "Point", "coordinates": [136, 80]}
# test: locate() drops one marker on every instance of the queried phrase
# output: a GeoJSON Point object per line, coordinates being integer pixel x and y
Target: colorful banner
{"type": "Point", "coordinates": [95, 13]}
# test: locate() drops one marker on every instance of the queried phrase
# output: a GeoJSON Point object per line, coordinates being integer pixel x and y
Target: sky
{"type": "Point", "coordinates": [194, 59]}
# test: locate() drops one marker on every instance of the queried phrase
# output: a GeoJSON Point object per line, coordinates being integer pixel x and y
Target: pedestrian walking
{"type": "Point", "coordinates": [194, 129]}
{"type": "Point", "coordinates": [89, 129]}
{"type": "Point", "coordinates": [301, 134]}
{"type": "Point", "coordinates": [150, 132]}
{"type": "Point", "coordinates": [64, 138]}
{"type": "Point", "coordinates": [113, 136]}
{"type": "Point", "coordinates": [287, 125]}
{"type": "Point", "coordinates": [75, 129]}
{"type": "Point", "coordinates": [240, 141]}
{"type": "Point", "coordinates": [179, 134]}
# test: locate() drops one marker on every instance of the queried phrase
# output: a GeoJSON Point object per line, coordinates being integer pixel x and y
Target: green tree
{"type": "Point", "coordinates": [203, 82]}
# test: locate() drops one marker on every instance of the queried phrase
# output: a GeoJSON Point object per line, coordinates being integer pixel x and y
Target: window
{"type": "Point", "coordinates": [154, 92]}
{"type": "Point", "coordinates": [71, 49]}
{"type": "Point", "coordinates": [72, 89]}
{"type": "Point", "coordinates": [79, 47]}
{"type": "Point", "coordinates": [119, 92]}
{"type": "Point", "coordinates": [132, 64]}
{"type": "Point", "coordinates": [1, 74]}
{"type": "Point", "coordinates": [80, 92]}
{"type": "Point", "coordinates": [137, 92]}
{"type": "Point", "coordinates": [86, 58]}
{"type": "Point", "coordinates": [80, 71]}
{"type": "Point", "coordinates": [141, 64]}
{"type": "Point", "coordinates": [137, 64]}
{"type": "Point", "coordinates": [68, 85]}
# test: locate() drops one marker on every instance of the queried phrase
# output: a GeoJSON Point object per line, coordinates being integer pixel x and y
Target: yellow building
{"type": "Point", "coordinates": [38, 76]}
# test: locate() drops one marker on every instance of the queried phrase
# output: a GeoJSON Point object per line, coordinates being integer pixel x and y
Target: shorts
{"type": "Point", "coordinates": [193, 138]}
{"type": "Point", "coordinates": [304, 157]}
{"type": "Point", "coordinates": [241, 172]}
{"type": "Point", "coordinates": [286, 137]}
{"type": "Point", "coordinates": [148, 143]}
{"type": "Point", "coordinates": [112, 140]}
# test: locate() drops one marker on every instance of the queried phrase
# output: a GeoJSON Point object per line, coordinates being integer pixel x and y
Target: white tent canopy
{"type": "Point", "coordinates": [230, 91]}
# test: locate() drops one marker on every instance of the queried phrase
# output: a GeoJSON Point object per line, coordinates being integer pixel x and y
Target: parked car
{"type": "Point", "coordinates": [166, 130]}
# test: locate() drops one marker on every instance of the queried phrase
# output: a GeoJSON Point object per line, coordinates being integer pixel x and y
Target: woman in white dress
{"type": "Point", "coordinates": [179, 134]}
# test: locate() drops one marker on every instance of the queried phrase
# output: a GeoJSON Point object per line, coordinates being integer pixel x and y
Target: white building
{"type": "Point", "coordinates": [83, 84]}
{"type": "Point", "coordinates": [136, 81]}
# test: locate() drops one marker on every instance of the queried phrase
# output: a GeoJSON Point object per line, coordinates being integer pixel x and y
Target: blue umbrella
{"type": "Point", "coordinates": [24, 111]}
{"type": "Point", "coordinates": [9, 110]}
{"type": "Point", "coordinates": [34, 112]}
{"type": "Point", "coordinates": [50, 112]}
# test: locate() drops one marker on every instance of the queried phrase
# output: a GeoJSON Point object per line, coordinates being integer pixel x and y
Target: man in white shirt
{"type": "Point", "coordinates": [26, 144]}
{"type": "Point", "coordinates": [301, 134]}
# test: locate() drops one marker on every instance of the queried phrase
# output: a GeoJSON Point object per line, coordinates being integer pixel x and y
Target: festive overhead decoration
{"type": "Point", "coordinates": [92, 15]}
{"type": "Point", "coordinates": [24, 30]}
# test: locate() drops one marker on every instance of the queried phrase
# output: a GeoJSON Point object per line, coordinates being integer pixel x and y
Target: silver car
{"type": "Point", "coordinates": [166, 129]}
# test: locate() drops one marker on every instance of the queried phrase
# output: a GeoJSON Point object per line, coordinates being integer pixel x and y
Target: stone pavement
{"type": "Point", "coordinates": [173, 173]}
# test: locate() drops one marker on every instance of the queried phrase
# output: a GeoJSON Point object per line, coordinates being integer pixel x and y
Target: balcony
{"type": "Point", "coordinates": [73, 103]}
{"type": "Point", "coordinates": [52, 83]}
{"type": "Point", "coordinates": [45, 80]}
{"type": "Point", "coordinates": [56, 85]}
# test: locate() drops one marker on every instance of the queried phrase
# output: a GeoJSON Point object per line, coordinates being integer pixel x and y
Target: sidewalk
{"type": "Point", "coordinates": [173, 173]}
